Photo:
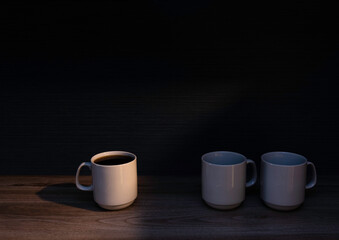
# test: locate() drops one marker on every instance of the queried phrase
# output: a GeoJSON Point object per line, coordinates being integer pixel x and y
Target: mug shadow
{"type": "Point", "coordinates": [67, 194]}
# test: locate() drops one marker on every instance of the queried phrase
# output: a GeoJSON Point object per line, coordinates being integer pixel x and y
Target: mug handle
{"type": "Point", "coordinates": [313, 181]}
{"type": "Point", "coordinates": [253, 180]}
{"type": "Point", "coordinates": [79, 186]}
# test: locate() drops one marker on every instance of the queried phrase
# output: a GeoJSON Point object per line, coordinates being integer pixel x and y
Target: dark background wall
{"type": "Point", "coordinates": [166, 80]}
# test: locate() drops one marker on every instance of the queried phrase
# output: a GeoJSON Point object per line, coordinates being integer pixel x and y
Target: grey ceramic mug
{"type": "Point", "coordinates": [224, 179]}
{"type": "Point", "coordinates": [283, 179]}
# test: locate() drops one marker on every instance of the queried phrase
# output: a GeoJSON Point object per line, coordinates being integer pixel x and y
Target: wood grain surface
{"type": "Point", "coordinates": [50, 207]}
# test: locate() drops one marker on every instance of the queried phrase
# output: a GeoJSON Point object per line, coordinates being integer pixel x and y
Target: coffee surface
{"type": "Point", "coordinates": [114, 160]}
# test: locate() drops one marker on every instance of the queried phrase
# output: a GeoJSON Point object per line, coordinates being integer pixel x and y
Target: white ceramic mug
{"type": "Point", "coordinates": [114, 186]}
{"type": "Point", "coordinates": [224, 179]}
{"type": "Point", "coordinates": [283, 179]}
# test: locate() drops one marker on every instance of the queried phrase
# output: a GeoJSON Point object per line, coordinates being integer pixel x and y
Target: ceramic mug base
{"type": "Point", "coordinates": [118, 207]}
{"type": "Point", "coordinates": [223, 207]}
{"type": "Point", "coordinates": [282, 208]}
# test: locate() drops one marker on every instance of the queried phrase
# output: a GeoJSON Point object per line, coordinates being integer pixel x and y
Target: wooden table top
{"type": "Point", "coordinates": [50, 207]}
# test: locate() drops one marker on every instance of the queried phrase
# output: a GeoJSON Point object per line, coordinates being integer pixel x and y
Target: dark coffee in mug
{"type": "Point", "coordinates": [114, 160]}
{"type": "Point", "coordinates": [114, 179]}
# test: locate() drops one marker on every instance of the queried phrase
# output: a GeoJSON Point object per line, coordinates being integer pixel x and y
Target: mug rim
{"type": "Point", "coordinates": [113, 153]}
{"type": "Point", "coordinates": [286, 153]}
{"type": "Point", "coordinates": [223, 165]}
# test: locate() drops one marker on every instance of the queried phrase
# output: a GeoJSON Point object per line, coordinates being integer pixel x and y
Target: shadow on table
{"type": "Point", "coordinates": [67, 194]}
